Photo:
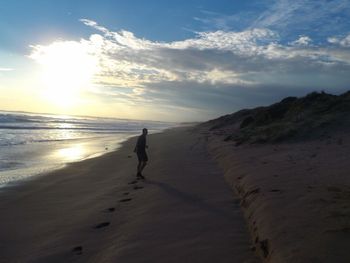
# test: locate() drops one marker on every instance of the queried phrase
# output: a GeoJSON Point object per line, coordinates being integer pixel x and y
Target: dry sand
{"type": "Point", "coordinates": [295, 196]}
{"type": "Point", "coordinates": [93, 211]}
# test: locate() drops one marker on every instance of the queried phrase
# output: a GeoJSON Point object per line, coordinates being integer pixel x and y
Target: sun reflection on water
{"type": "Point", "coordinates": [72, 153]}
{"type": "Point", "coordinates": [65, 125]}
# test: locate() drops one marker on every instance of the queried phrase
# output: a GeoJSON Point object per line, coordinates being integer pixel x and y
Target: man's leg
{"type": "Point", "coordinates": [139, 167]}
{"type": "Point", "coordinates": [143, 166]}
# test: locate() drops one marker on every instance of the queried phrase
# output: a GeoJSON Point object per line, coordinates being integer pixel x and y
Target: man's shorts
{"type": "Point", "coordinates": [142, 156]}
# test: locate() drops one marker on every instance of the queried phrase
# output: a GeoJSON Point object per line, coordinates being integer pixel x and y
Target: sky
{"type": "Point", "coordinates": [169, 60]}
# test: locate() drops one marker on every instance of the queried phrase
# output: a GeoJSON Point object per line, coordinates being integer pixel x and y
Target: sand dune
{"type": "Point", "coordinates": [288, 162]}
{"type": "Point", "coordinates": [295, 196]}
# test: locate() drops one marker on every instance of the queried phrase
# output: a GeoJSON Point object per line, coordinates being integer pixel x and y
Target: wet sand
{"type": "Point", "coordinates": [95, 210]}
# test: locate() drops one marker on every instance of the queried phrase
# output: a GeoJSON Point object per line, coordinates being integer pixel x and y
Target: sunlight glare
{"type": "Point", "coordinates": [71, 154]}
{"type": "Point", "coordinates": [68, 69]}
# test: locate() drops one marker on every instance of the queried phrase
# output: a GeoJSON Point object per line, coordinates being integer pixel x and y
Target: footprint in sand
{"type": "Point", "coordinates": [102, 225]}
{"type": "Point", "coordinates": [264, 246]}
{"type": "Point", "coordinates": [342, 229]}
{"type": "Point", "coordinates": [333, 189]}
{"type": "Point", "coordinates": [133, 182]}
{"type": "Point", "coordinates": [126, 193]}
{"type": "Point", "coordinates": [275, 191]}
{"type": "Point", "coordinates": [110, 210]}
{"type": "Point", "coordinates": [78, 250]}
{"type": "Point", "coordinates": [138, 187]}
{"type": "Point", "coordinates": [125, 200]}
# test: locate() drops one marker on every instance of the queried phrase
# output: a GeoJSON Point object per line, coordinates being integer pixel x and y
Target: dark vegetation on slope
{"type": "Point", "coordinates": [292, 118]}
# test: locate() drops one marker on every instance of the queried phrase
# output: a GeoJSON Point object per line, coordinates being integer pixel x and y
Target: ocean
{"type": "Point", "coordinates": [33, 144]}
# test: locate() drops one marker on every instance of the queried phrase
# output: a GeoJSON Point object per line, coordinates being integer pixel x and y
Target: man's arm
{"type": "Point", "coordinates": [137, 145]}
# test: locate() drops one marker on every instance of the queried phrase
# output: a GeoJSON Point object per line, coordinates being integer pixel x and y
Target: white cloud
{"type": "Point", "coordinates": [212, 20]}
{"type": "Point", "coordinates": [245, 41]}
{"type": "Point", "coordinates": [279, 13]}
{"type": "Point", "coordinates": [6, 69]}
{"type": "Point", "coordinates": [204, 40]}
{"type": "Point", "coordinates": [344, 42]}
{"type": "Point", "coordinates": [306, 15]}
{"type": "Point", "coordinates": [333, 40]}
{"type": "Point", "coordinates": [94, 25]}
{"type": "Point", "coordinates": [302, 41]}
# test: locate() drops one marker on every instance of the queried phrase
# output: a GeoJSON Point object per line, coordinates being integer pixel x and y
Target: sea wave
{"type": "Point", "coordinates": [112, 129]}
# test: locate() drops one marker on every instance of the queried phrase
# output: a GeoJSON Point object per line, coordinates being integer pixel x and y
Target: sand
{"type": "Point", "coordinates": [94, 210]}
{"type": "Point", "coordinates": [204, 200]}
{"type": "Point", "coordinates": [295, 196]}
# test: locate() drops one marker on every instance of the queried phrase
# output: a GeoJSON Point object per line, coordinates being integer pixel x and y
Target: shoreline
{"type": "Point", "coordinates": [94, 211]}
{"type": "Point", "coordinates": [37, 144]}
{"type": "Point", "coordinates": [46, 171]}
{"type": "Point", "coordinates": [78, 150]}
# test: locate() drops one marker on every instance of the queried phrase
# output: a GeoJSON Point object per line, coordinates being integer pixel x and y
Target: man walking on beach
{"type": "Point", "coordinates": [140, 150]}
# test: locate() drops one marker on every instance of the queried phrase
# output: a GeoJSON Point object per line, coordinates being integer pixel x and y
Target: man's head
{"type": "Point", "coordinates": [144, 131]}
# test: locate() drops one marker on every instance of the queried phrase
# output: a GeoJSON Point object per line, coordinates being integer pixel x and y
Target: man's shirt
{"type": "Point", "coordinates": [141, 144]}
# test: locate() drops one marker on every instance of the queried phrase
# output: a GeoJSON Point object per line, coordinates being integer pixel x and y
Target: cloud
{"type": "Point", "coordinates": [216, 21]}
{"type": "Point", "coordinates": [302, 41]}
{"type": "Point", "coordinates": [280, 13]}
{"type": "Point", "coordinates": [213, 72]}
{"type": "Point", "coordinates": [94, 25]}
{"type": "Point", "coordinates": [344, 42]}
{"type": "Point", "coordinates": [308, 19]}
{"type": "Point", "coordinates": [6, 69]}
{"type": "Point", "coordinates": [304, 16]}
{"type": "Point", "coordinates": [291, 18]}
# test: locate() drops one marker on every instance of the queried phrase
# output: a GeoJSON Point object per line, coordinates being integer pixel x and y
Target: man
{"type": "Point", "coordinates": [140, 150]}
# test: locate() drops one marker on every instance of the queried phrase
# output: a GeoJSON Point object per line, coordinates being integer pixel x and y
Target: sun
{"type": "Point", "coordinates": [68, 68]}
